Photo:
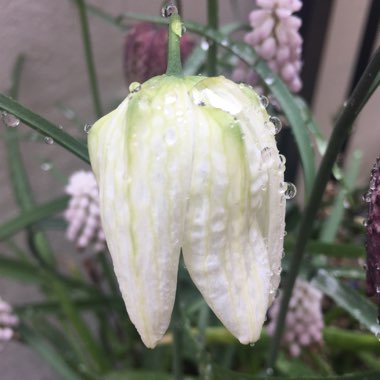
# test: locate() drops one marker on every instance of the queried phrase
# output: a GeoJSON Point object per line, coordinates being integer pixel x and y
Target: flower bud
{"type": "Point", "coordinates": [145, 51]}
{"type": "Point", "coordinates": [191, 163]}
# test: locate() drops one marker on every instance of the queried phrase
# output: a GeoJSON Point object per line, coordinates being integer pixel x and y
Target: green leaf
{"type": "Point", "coordinates": [48, 352]}
{"type": "Point", "coordinates": [45, 127]}
{"type": "Point", "coordinates": [316, 247]}
{"type": "Point", "coordinates": [33, 215]}
{"type": "Point", "coordinates": [331, 225]}
{"type": "Point", "coordinates": [349, 299]}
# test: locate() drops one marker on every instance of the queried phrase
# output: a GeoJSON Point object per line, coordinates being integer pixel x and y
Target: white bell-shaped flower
{"type": "Point", "coordinates": [192, 163]}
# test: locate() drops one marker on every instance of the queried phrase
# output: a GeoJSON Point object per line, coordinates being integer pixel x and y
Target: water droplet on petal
{"type": "Point", "coordinates": [205, 45]}
{"type": "Point", "coordinates": [10, 120]}
{"type": "Point", "coordinates": [183, 29]}
{"type": "Point", "coordinates": [290, 190]}
{"type": "Point", "coordinates": [277, 124]}
{"type": "Point", "coordinates": [170, 136]}
{"type": "Point", "coordinates": [266, 154]}
{"type": "Point", "coordinates": [282, 159]}
{"type": "Point", "coordinates": [264, 101]}
{"type": "Point", "coordinates": [134, 87]}
{"type": "Point", "coordinates": [168, 10]}
{"type": "Point", "coordinates": [46, 166]}
{"type": "Point", "coordinates": [87, 128]}
{"type": "Point", "coordinates": [48, 140]}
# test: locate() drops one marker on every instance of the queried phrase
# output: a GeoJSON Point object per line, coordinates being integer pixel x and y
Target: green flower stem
{"type": "Point", "coordinates": [45, 127]}
{"type": "Point", "coordinates": [89, 57]}
{"type": "Point", "coordinates": [174, 49]}
{"type": "Point", "coordinates": [335, 338]}
{"type": "Point", "coordinates": [341, 131]}
{"type": "Point", "coordinates": [213, 23]}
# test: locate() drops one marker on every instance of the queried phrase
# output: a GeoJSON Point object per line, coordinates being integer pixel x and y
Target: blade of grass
{"type": "Point", "coordinates": [45, 127]}
{"type": "Point", "coordinates": [90, 63]}
{"type": "Point", "coordinates": [31, 216]}
{"type": "Point", "coordinates": [331, 225]}
{"type": "Point", "coordinates": [48, 352]}
{"type": "Point", "coordinates": [340, 132]}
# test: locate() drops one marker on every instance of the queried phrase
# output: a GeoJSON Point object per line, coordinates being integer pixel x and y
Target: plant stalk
{"type": "Point", "coordinates": [340, 133]}
{"type": "Point", "coordinates": [89, 57]}
{"type": "Point", "coordinates": [213, 23]}
{"type": "Point", "coordinates": [174, 49]}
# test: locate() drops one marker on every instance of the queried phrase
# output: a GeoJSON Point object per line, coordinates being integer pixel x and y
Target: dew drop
{"type": "Point", "coordinates": [46, 166]}
{"type": "Point", "coordinates": [205, 45]}
{"type": "Point", "coordinates": [266, 154]}
{"type": "Point", "coordinates": [269, 80]}
{"type": "Point", "coordinates": [378, 335]}
{"type": "Point", "coordinates": [378, 289]}
{"type": "Point", "coordinates": [168, 10]}
{"type": "Point", "coordinates": [10, 120]}
{"type": "Point", "coordinates": [224, 42]}
{"type": "Point", "coordinates": [271, 127]}
{"type": "Point", "coordinates": [277, 124]}
{"type": "Point", "coordinates": [377, 266]}
{"type": "Point", "coordinates": [60, 127]}
{"type": "Point", "coordinates": [252, 344]}
{"type": "Point", "coordinates": [365, 222]}
{"type": "Point", "coordinates": [87, 128]}
{"type": "Point", "coordinates": [367, 197]}
{"type": "Point", "coordinates": [134, 87]}
{"type": "Point", "coordinates": [290, 190]}
{"type": "Point", "coordinates": [264, 101]}
{"type": "Point", "coordinates": [183, 29]}
{"type": "Point", "coordinates": [282, 159]}
{"type": "Point", "coordinates": [48, 140]}
{"type": "Point", "coordinates": [170, 136]}
{"type": "Point", "coordinates": [269, 371]}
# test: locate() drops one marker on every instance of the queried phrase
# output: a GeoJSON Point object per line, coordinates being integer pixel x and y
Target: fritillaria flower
{"type": "Point", "coordinates": [373, 234]}
{"type": "Point", "coordinates": [145, 51]}
{"type": "Point", "coordinates": [190, 164]}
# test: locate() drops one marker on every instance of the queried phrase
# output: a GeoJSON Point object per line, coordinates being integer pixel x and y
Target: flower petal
{"type": "Point", "coordinates": [141, 158]}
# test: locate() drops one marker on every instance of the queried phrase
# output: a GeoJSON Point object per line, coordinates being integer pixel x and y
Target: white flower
{"type": "Point", "coordinates": [191, 163]}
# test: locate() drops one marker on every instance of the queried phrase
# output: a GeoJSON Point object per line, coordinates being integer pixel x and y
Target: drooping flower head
{"type": "Point", "coordinates": [373, 234]}
{"type": "Point", "coordinates": [82, 215]}
{"type": "Point", "coordinates": [304, 320]}
{"type": "Point", "coordinates": [145, 51]}
{"type": "Point", "coordinates": [275, 37]}
{"type": "Point", "coordinates": [8, 322]}
{"type": "Point", "coordinates": [191, 163]}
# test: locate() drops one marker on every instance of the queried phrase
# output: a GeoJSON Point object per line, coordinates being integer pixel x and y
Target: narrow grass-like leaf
{"type": "Point", "coordinates": [332, 223]}
{"type": "Point", "coordinates": [44, 126]}
{"type": "Point", "coordinates": [349, 299]}
{"type": "Point", "coordinates": [48, 352]}
{"type": "Point", "coordinates": [33, 215]}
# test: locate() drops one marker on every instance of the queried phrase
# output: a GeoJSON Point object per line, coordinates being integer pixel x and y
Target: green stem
{"type": "Point", "coordinates": [89, 57]}
{"type": "Point", "coordinates": [213, 23]}
{"type": "Point", "coordinates": [174, 48]}
{"type": "Point", "coordinates": [340, 133]}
